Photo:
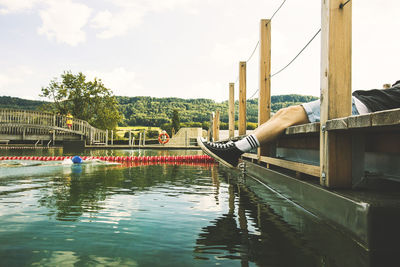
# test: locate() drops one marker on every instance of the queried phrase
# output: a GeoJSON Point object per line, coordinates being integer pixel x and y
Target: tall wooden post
{"type": "Point", "coordinates": [242, 98]}
{"type": "Point", "coordinates": [106, 138]}
{"type": "Point", "coordinates": [264, 97]}
{"type": "Point", "coordinates": [112, 137]}
{"type": "Point", "coordinates": [216, 123]}
{"type": "Point", "coordinates": [231, 112]}
{"type": "Point", "coordinates": [335, 148]}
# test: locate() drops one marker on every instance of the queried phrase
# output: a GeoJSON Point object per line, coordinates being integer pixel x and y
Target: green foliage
{"type": "Point", "coordinates": [19, 103]}
{"type": "Point", "coordinates": [175, 122]}
{"type": "Point", "coordinates": [151, 111]}
{"type": "Point", "coordinates": [86, 100]}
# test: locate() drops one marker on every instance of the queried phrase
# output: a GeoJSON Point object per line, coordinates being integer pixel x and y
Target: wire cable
{"type": "Point", "coordinates": [301, 51]}
{"type": "Point", "coordinates": [255, 48]}
{"type": "Point", "coordinates": [258, 42]}
{"type": "Point", "coordinates": [254, 94]}
{"type": "Point", "coordinates": [343, 4]}
{"type": "Point", "coordinates": [287, 65]}
{"type": "Point", "coordinates": [276, 11]}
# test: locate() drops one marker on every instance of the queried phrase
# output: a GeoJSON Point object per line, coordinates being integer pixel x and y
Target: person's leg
{"type": "Point", "coordinates": [284, 118]}
{"type": "Point", "coordinates": [230, 152]}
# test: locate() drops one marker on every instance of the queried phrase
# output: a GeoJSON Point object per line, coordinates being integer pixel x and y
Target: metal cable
{"type": "Point", "coordinates": [273, 15]}
{"type": "Point", "coordinates": [301, 51]}
{"type": "Point", "coordinates": [287, 65]}
{"type": "Point", "coordinates": [258, 42]}
{"type": "Point", "coordinates": [343, 4]}
{"type": "Point", "coordinates": [255, 48]}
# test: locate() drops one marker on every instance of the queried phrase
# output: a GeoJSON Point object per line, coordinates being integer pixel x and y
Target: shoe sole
{"type": "Point", "coordinates": [211, 154]}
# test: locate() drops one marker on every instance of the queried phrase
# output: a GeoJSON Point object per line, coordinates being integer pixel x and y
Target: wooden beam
{"type": "Point", "coordinates": [216, 123]}
{"type": "Point", "coordinates": [231, 112]}
{"type": "Point", "coordinates": [242, 98]}
{"type": "Point", "coordinates": [335, 152]}
{"type": "Point", "coordinates": [290, 165]}
{"type": "Point", "coordinates": [303, 128]}
{"type": "Point", "coordinates": [264, 97]}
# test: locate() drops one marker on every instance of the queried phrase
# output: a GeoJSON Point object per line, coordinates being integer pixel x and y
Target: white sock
{"type": "Point", "coordinates": [247, 143]}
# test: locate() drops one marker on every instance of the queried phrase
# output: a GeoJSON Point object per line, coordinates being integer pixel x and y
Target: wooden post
{"type": "Point", "coordinates": [130, 138]}
{"type": "Point", "coordinates": [231, 112]}
{"type": "Point", "coordinates": [264, 97]}
{"type": "Point", "coordinates": [106, 141]}
{"type": "Point", "coordinates": [335, 148]}
{"type": "Point", "coordinates": [216, 126]}
{"type": "Point", "coordinates": [242, 98]}
{"type": "Point", "coordinates": [112, 137]}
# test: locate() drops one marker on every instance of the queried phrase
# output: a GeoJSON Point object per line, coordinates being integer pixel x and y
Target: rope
{"type": "Point", "coordinates": [301, 51]}
{"type": "Point", "coordinates": [258, 42]}
{"type": "Point", "coordinates": [273, 15]}
{"type": "Point", "coordinates": [255, 48]}
{"type": "Point", "coordinates": [287, 65]}
{"type": "Point", "coordinates": [343, 4]}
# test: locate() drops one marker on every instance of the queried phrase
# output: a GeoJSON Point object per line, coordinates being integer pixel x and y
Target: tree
{"type": "Point", "coordinates": [86, 100]}
{"type": "Point", "coordinates": [175, 120]}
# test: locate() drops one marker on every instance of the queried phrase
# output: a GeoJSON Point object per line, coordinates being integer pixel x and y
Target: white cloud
{"type": "Point", "coordinates": [14, 79]}
{"type": "Point", "coordinates": [13, 6]}
{"type": "Point", "coordinates": [64, 20]}
{"type": "Point", "coordinates": [112, 25]}
{"type": "Point", "coordinates": [121, 81]}
{"type": "Point", "coordinates": [130, 15]}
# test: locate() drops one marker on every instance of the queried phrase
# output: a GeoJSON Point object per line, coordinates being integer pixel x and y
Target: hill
{"type": "Point", "coordinates": [19, 103]}
{"type": "Point", "coordinates": [153, 111]}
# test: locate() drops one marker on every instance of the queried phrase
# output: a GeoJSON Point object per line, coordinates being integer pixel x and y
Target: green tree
{"type": "Point", "coordinates": [86, 100]}
{"type": "Point", "coordinates": [175, 120]}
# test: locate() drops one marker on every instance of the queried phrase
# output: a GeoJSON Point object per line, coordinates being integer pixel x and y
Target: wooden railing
{"type": "Point", "coordinates": [26, 122]}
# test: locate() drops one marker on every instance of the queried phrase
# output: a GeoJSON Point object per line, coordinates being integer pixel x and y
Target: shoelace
{"type": "Point", "coordinates": [220, 145]}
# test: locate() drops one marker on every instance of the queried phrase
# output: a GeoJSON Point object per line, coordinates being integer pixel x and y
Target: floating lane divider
{"type": "Point", "coordinates": [195, 158]}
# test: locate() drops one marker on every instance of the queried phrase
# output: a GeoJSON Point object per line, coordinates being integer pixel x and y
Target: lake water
{"type": "Point", "coordinates": [102, 214]}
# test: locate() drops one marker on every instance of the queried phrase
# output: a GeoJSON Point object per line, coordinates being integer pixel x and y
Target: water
{"type": "Point", "coordinates": [95, 214]}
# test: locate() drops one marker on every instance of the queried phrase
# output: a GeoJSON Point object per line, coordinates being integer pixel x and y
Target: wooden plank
{"type": "Point", "coordinates": [303, 141]}
{"type": "Point", "coordinates": [303, 128]}
{"type": "Point", "coordinates": [290, 165]}
{"type": "Point", "coordinates": [360, 121]}
{"type": "Point", "coordinates": [386, 142]}
{"type": "Point", "coordinates": [231, 112]}
{"type": "Point", "coordinates": [335, 152]}
{"type": "Point", "coordinates": [336, 124]}
{"type": "Point", "coordinates": [264, 97]}
{"type": "Point", "coordinates": [385, 118]}
{"type": "Point", "coordinates": [242, 98]}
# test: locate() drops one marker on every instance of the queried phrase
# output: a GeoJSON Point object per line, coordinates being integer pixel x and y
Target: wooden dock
{"type": "Point", "coordinates": [344, 169]}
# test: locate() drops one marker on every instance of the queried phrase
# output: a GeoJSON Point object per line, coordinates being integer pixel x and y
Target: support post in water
{"type": "Point", "coordinates": [264, 97]}
{"type": "Point", "coordinates": [242, 98]}
{"type": "Point", "coordinates": [335, 147]}
{"type": "Point", "coordinates": [106, 141]}
{"type": "Point", "coordinates": [216, 126]}
{"type": "Point", "coordinates": [231, 111]}
{"type": "Point", "coordinates": [112, 137]}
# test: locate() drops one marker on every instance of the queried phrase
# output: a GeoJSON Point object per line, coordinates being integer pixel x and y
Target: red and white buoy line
{"type": "Point", "coordinates": [158, 159]}
{"type": "Point", "coordinates": [27, 147]}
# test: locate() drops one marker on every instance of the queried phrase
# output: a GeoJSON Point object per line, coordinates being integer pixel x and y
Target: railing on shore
{"type": "Point", "coordinates": [26, 122]}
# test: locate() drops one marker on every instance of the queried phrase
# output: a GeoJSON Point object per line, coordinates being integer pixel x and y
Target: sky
{"type": "Point", "coordinates": [184, 48]}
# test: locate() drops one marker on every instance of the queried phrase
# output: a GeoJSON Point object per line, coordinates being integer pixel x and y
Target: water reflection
{"type": "Point", "coordinates": [252, 232]}
{"type": "Point", "coordinates": [150, 214]}
{"type": "Point", "coordinates": [84, 188]}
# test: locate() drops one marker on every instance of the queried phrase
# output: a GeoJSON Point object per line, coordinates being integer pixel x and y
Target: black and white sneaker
{"type": "Point", "coordinates": [227, 153]}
